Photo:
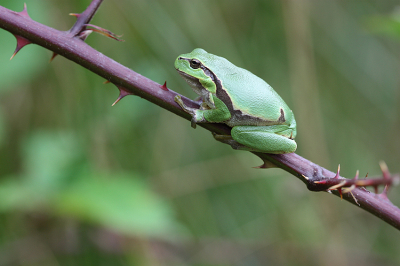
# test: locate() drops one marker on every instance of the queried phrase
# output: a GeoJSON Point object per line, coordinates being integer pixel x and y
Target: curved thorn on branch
{"type": "Point", "coordinates": [21, 42]}
{"type": "Point", "coordinates": [122, 93]}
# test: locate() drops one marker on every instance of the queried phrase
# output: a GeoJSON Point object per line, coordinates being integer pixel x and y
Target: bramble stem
{"type": "Point", "coordinates": [76, 50]}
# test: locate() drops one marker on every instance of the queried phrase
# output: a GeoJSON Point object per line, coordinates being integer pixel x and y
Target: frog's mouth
{"type": "Point", "coordinates": [193, 82]}
{"type": "Point", "coordinates": [187, 76]}
{"type": "Point", "coordinates": [183, 73]}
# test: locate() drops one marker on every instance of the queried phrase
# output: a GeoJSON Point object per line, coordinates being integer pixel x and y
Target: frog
{"type": "Point", "coordinates": [261, 121]}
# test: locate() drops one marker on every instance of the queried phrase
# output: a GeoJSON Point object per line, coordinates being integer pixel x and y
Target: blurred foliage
{"type": "Point", "coordinates": [56, 179]}
{"type": "Point", "coordinates": [386, 24]}
{"type": "Point", "coordinates": [84, 183]}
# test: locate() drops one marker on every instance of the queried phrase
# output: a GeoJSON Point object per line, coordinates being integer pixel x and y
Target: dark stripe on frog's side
{"type": "Point", "coordinates": [237, 115]}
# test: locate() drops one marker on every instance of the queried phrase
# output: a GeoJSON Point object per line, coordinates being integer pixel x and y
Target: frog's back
{"type": "Point", "coordinates": [251, 96]}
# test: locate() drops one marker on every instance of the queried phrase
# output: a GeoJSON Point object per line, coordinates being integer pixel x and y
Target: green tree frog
{"type": "Point", "coordinates": [260, 120]}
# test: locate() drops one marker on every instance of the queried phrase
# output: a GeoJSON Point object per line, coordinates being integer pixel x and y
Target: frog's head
{"type": "Point", "coordinates": [194, 68]}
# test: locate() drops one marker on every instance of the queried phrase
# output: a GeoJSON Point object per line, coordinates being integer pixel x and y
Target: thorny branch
{"type": "Point", "coordinates": [71, 45]}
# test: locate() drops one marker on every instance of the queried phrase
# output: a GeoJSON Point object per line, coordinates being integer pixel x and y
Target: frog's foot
{"type": "Point", "coordinates": [227, 139]}
{"type": "Point", "coordinates": [196, 114]}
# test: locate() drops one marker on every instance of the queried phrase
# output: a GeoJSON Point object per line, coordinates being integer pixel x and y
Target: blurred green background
{"type": "Point", "coordinates": [84, 183]}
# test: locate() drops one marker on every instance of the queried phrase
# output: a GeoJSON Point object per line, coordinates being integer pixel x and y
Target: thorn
{"type": "Point", "coordinates": [340, 193]}
{"type": "Point", "coordinates": [337, 173]}
{"type": "Point", "coordinates": [338, 186]}
{"type": "Point", "coordinates": [104, 32]}
{"type": "Point", "coordinates": [122, 93]}
{"type": "Point", "coordinates": [376, 189]}
{"type": "Point", "coordinates": [52, 57]}
{"type": "Point", "coordinates": [305, 177]}
{"type": "Point", "coordinates": [164, 87]}
{"type": "Point", "coordinates": [349, 189]}
{"type": "Point", "coordinates": [21, 42]}
{"type": "Point", "coordinates": [385, 170]}
{"type": "Point", "coordinates": [24, 12]}
{"type": "Point", "coordinates": [320, 182]}
{"type": "Point", "coordinates": [265, 165]}
{"type": "Point", "coordinates": [387, 177]}
{"type": "Point", "coordinates": [354, 198]}
{"type": "Point", "coordinates": [75, 15]}
{"type": "Point", "coordinates": [384, 192]}
{"type": "Point", "coordinates": [356, 176]}
{"type": "Point", "coordinates": [106, 82]}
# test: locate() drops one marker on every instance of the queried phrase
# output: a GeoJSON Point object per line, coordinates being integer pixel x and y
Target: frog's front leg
{"type": "Point", "coordinates": [196, 115]}
{"type": "Point", "coordinates": [205, 114]}
{"type": "Point", "coordinates": [267, 139]}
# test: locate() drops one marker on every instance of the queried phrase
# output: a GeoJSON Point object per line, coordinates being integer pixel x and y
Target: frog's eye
{"type": "Point", "coordinates": [194, 63]}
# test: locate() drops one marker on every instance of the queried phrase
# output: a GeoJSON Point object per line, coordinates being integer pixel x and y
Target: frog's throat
{"type": "Point", "coordinates": [193, 82]}
{"type": "Point", "coordinates": [198, 88]}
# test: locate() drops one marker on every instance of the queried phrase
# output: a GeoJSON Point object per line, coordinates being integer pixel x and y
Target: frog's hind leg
{"type": "Point", "coordinates": [267, 139]}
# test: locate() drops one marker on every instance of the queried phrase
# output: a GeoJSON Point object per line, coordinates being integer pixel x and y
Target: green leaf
{"type": "Point", "coordinates": [121, 202]}
{"type": "Point", "coordinates": [49, 160]}
{"type": "Point", "coordinates": [51, 157]}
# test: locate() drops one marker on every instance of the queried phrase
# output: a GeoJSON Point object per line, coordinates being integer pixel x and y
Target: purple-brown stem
{"type": "Point", "coordinates": [84, 18]}
{"type": "Point", "coordinates": [130, 82]}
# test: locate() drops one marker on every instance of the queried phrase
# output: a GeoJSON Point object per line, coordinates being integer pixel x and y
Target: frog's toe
{"type": "Point", "coordinates": [193, 122]}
